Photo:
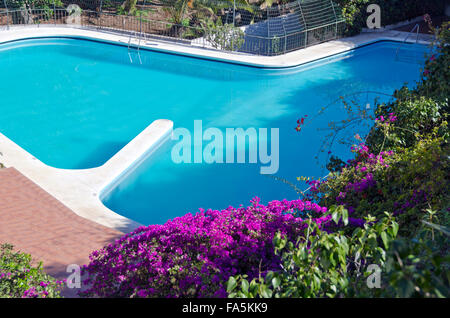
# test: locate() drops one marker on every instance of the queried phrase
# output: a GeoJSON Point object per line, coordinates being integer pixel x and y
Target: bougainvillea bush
{"type": "Point", "coordinates": [436, 74]}
{"type": "Point", "coordinates": [372, 261]}
{"type": "Point", "coordinates": [402, 166]}
{"type": "Point", "coordinates": [404, 182]}
{"type": "Point", "coordinates": [322, 263]}
{"type": "Point", "coordinates": [409, 247]}
{"type": "Point", "coordinates": [19, 278]}
{"type": "Point", "coordinates": [422, 110]}
{"type": "Point", "coordinates": [191, 256]}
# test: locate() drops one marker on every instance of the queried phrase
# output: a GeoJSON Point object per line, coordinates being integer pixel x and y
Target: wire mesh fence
{"type": "Point", "coordinates": [229, 25]}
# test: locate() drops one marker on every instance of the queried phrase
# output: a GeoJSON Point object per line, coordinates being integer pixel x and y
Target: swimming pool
{"type": "Point", "coordinates": [74, 103]}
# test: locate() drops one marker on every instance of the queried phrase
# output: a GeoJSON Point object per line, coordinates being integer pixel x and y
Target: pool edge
{"type": "Point", "coordinates": [288, 60]}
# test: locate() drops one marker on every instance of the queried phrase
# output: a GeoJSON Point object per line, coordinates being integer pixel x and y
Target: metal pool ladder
{"type": "Point", "coordinates": [415, 29]}
{"type": "Point", "coordinates": [137, 49]}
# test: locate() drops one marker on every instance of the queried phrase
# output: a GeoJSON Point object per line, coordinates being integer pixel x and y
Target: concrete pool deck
{"type": "Point", "coordinates": [81, 190]}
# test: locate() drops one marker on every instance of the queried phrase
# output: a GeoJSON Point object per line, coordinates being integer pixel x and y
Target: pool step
{"type": "Point", "coordinates": [132, 48]}
{"type": "Point", "coordinates": [410, 56]}
{"type": "Point", "coordinates": [134, 56]}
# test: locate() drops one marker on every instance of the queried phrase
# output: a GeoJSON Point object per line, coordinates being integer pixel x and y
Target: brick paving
{"type": "Point", "coordinates": [36, 223]}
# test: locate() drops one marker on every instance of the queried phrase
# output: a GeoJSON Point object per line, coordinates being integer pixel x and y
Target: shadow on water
{"type": "Point", "coordinates": [102, 154]}
{"type": "Point", "coordinates": [208, 187]}
{"type": "Point", "coordinates": [160, 189]}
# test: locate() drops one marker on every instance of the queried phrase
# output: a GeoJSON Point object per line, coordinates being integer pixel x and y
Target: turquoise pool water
{"type": "Point", "coordinates": [74, 103]}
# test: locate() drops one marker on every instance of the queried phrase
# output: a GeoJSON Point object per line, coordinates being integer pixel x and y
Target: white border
{"type": "Point", "coordinates": [82, 190]}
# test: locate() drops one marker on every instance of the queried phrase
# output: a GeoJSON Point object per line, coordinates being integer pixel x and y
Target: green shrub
{"type": "Point", "coordinates": [19, 278]}
{"type": "Point", "coordinates": [405, 181]}
{"type": "Point", "coordinates": [436, 75]}
{"type": "Point", "coordinates": [322, 264]}
{"type": "Point", "coordinates": [418, 267]}
{"type": "Point", "coordinates": [340, 265]}
{"type": "Point", "coordinates": [223, 36]}
{"type": "Point", "coordinates": [416, 115]}
{"type": "Point", "coordinates": [423, 109]}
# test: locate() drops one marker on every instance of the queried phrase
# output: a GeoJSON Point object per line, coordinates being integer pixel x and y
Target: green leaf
{"type": "Point", "coordinates": [345, 216]}
{"type": "Point", "coordinates": [385, 239]}
{"type": "Point", "coordinates": [406, 288]}
{"type": "Point", "coordinates": [335, 216]}
{"type": "Point", "coordinates": [276, 282]}
{"type": "Point", "coordinates": [265, 292]}
{"type": "Point", "coordinates": [231, 284]}
{"type": "Point", "coordinates": [438, 227]}
{"type": "Point", "coordinates": [244, 285]}
{"type": "Point", "coordinates": [394, 229]}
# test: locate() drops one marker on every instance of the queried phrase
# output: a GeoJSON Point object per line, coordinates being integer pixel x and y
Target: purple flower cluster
{"type": "Point", "coordinates": [193, 255]}
{"type": "Point", "coordinates": [392, 118]}
{"type": "Point", "coordinates": [40, 290]}
{"type": "Point", "coordinates": [367, 182]}
{"type": "Point", "coordinates": [366, 160]}
{"type": "Point", "coordinates": [34, 293]}
{"type": "Point", "coordinates": [314, 185]}
{"type": "Point", "coordinates": [7, 275]}
{"type": "Point", "coordinates": [361, 149]}
{"type": "Point", "coordinates": [365, 165]}
{"type": "Point", "coordinates": [361, 185]}
{"type": "Point", "coordinates": [418, 197]}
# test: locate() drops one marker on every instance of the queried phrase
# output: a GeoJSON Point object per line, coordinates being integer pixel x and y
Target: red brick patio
{"type": "Point", "coordinates": [38, 224]}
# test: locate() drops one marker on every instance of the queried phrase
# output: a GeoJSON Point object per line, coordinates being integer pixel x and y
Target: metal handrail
{"type": "Point", "coordinates": [417, 26]}
{"type": "Point", "coordinates": [138, 46]}
{"type": "Point", "coordinates": [129, 54]}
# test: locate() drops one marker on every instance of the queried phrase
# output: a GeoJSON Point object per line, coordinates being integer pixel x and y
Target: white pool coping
{"type": "Point", "coordinates": [82, 190]}
{"type": "Point", "coordinates": [290, 59]}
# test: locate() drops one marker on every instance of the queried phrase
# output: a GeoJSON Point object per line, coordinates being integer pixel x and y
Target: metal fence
{"type": "Point", "coordinates": [230, 25]}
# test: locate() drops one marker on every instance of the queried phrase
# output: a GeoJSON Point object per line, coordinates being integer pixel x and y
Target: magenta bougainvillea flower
{"type": "Point", "coordinates": [192, 255]}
